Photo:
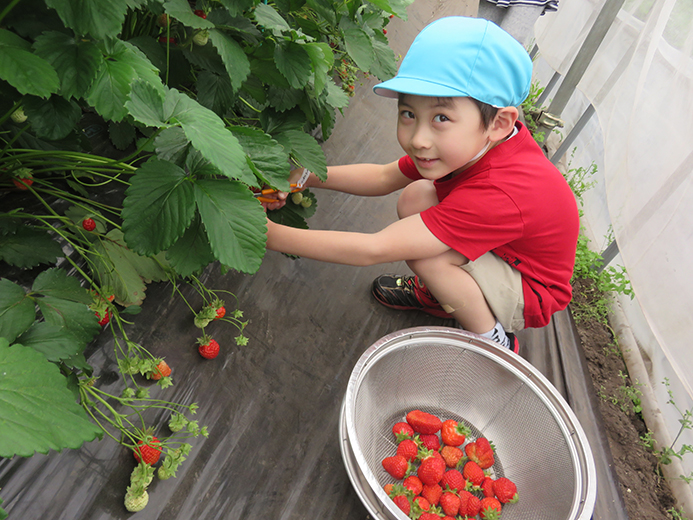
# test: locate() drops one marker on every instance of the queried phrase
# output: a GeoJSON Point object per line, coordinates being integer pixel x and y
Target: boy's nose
{"type": "Point", "coordinates": [421, 137]}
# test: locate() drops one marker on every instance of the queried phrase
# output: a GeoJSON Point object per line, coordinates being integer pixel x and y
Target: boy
{"type": "Point", "coordinates": [487, 224]}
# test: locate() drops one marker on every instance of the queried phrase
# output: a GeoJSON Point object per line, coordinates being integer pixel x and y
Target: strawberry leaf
{"type": "Point", "coordinates": [385, 65]}
{"type": "Point", "coordinates": [267, 159]}
{"type": "Point", "coordinates": [29, 247]}
{"type": "Point", "coordinates": [158, 207]}
{"type": "Point", "coordinates": [125, 270]}
{"type": "Point", "coordinates": [192, 251]}
{"type": "Point", "coordinates": [26, 72]}
{"type": "Point", "coordinates": [207, 133]}
{"type": "Point", "coordinates": [358, 44]}
{"type": "Point", "coordinates": [321, 58]}
{"type": "Point", "coordinates": [52, 118]}
{"type": "Point", "coordinates": [56, 283]}
{"type": "Point", "coordinates": [215, 91]}
{"type": "Point", "coordinates": [235, 223]}
{"type": "Point", "coordinates": [53, 342]}
{"type": "Point", "coordinates": [181, 11]}
{"type": "Point", "coordinates": [306, 150]}
{"type": "Point", "coordinates": [146, 104]}
{"type": "Point", "coordinates": [294, 63]}
{"type": "Point", "coordinates": [270, 19]}
{"type": "Point", "coordinates": [110, 89]}
{"type": "Point", "coordinates": [17, 311]}
{"type": "Point", "coordinates": [37, 417]}
{"type": "Point", "coordinates": [100, 18]}
{"type": "Point", "coordinates": [235, 60]}
{"type": "Point", "coordinates": [76, 61]}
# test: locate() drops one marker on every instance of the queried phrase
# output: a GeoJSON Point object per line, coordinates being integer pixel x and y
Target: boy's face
{"type": "Point", "coordinates": [441, 135]}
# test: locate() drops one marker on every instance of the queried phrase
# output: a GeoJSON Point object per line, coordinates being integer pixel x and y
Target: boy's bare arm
{"type": "Point", "coordinates": [406, 239]}
{"type": "Point", "coordinates": [362, 179]}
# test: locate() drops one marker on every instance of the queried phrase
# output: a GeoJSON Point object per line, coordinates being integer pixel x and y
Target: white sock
{"type": "Point", "coordinates": [498, 335]}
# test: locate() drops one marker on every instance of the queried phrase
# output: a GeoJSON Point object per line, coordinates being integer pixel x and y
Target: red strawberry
{"type": "Point", "coordinates": [163, 20]}
{"type": "Point", "coordinates": [162, 370]}
{"type": "Point", "coordinates": [404, 430]}
{"type": "Point", "coordinates": [454, 480]}
{"type": "Point", "coordinates": [450, 503]}
{"type": "Point", "coordinates": [430, 441]}
{"type": "Point", "coordinates": [414, 484]}
{"type": "Point", "coordinates": [473, 473]}
{"type": "Point", "coordinates": [490, 509]}
{"type": "Point", "coordinates": [408, 449]}
{"type": "Point", "coordinates": [106, 317]}
{"type": "Point", "coordinates": [429, 516]}
{"type": "Point", "coordinates": [454, 433]}
{"type": "Point", "coordinates": [384, 31]}
{"type": "Point", "coordinates": [147, 452]}
{"type": "Point", "coordinates": [89, 224]}
{"type": "Point", "coordinates": [431, 469]}
{"type": "Point", "coordinates": [423, 422]}
{"type": "Point", "coordinates": [422, 503]}
{"type": "Point", "coordinates": [403, 503]}
{"type": "Point", "coordinates": [448, 517]}
{"type": "Point", "coordinates": [221, 312]}
{"type": "Point", "coordinates": [481, 452]}
{"type": "Point", "coordinates": [163, 39]}
{"type": "Point", "coordinates": [23, 183]}
{"type": "Point", "coordinates": [200, 13]}
{"type": "Point", "coordinates": [487, 487]}
{"type": "Point", "coordinates": [505, 491]}
{"type": "Point", "coordinates": [470, 505]}
{"type": "Point", "coordinates": [451, 455]}
{"type": "Point", "coordinates": [209, 348]}
{"type": "Point", "coordinates": [388, 488]}
{"type": "Point", "coordinates": [432, 493]}
{"type": "Point", "coordinates": [396, 466]}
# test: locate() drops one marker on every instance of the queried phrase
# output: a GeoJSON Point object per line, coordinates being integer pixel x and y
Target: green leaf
{"type": "Point", "coordinates": [207, 133]}
{"type": "Point", "coordinates": [138, 60]}
{"type": "Point", "coordinates": [181, 11]}
{"type": "Point", "coordinates": [325, 8]}
{"type": "Point", "coordinates": [17, 310]}
{"type": "Point", "coordinates": [76, 61]}
{"type": "Point", "coordinates": [101, 19]}
{"type": "Point", "coordinates": [53, 342]}
{"type": "Point", "coordinates": [235, 223]}
{"type": "Point", "coordinates": [294, 63]}
{"type": "Point", "coordinates": [321, 57]}
{"type": "Point", "coordinates": [235, 60]}
{"type": "Point", "coordinates": [171, 144]}
{"type": "Point", "coordinates": [336, 97]}
{"type": "Point", "coordinates": [28, 73]}
{"type": "Point", "coordinates": [358, 44]}
{"type": "Point", "coordinates": [267, 17]}
{"type": "Point", "coordinates": [283, 99]}
{"type": "Point", "coordinates": [53, 118]}
{"type": "Point", "coordinates": [306, 150]}
{"type": "Point", "coordinates": [29, 247]}
{"type": "Point", "coordinates": [146, 104]}
{"type": "Point", "coordinates": [37, 411]}
{"type": "Point", "coordinates": [56, 282]}
{"type": "Point", "coordinates": [267, 158]}
{"type": "Point", "coordinates": [192, 252]}
{"type": "Point", "coordinates": [237, 7]}
{"type": "Point", "coordinates": [121, 134]}
{"type": "Point", "coordinates": [124, 270]}
{"type": "Point", "coordinates": [385, 65]}
{"type": "Point", "coordinates": [110, 89]}
{"type": "Point", "coordinates": [158, 207]}
{"type": "Point", "coordinates": [215, 92]}
{"type": "Point", "coordinates": [396, 7]}
{"type": "Point", "coordinates": [13, 40]}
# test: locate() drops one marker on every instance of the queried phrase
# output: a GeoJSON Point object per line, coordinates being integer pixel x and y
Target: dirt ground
{"type": "Point", "coordinates": [647, 496]}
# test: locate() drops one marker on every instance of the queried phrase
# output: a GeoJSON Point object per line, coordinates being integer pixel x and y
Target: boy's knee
{"type": "Point", "coordinates": [416, 197]}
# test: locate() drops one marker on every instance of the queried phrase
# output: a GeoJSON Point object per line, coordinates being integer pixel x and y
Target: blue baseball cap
{"type": "Point", "coordinates": [458, 56]}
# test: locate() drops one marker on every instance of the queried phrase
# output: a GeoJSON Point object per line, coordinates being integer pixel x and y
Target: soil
{"type": "Point", "coordinates": [646, 494]}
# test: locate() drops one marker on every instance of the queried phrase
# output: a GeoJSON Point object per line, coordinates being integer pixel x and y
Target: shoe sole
{"type": "Point", "coordinates": [433, 312]}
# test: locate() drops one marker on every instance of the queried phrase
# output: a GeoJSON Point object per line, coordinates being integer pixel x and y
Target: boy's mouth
{"type": "Point", "coordinates": [425, 162]}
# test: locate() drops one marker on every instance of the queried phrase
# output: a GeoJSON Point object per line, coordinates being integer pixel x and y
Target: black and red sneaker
{"type": "Point", "coordinates": [406, 293]}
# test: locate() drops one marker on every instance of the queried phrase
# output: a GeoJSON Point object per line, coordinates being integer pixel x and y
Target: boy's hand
{"type": "Point", "coordinates": [280, 196]}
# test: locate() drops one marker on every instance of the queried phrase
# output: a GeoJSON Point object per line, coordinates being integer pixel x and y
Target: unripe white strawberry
{"type": "Point", "coordinates": [18, 116]}
{"type": "Point", "coordinates": [201, 38]}
{"type": "Point", "coordinates": [306, 202]}
{"type": "Point", "coordinates": [297, 197]}
{"type": "Point", "coordinates": [134, 503]}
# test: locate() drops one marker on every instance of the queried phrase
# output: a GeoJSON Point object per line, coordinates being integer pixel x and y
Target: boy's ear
{"type": "Point", "coordinates": [503, 123]}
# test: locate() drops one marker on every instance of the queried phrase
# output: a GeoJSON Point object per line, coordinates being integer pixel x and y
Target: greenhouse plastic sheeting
{"type": "Point", "coordinates": [641, 83]}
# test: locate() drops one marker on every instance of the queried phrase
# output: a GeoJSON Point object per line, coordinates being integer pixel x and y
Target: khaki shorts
{"type": "Point", "coordinates": [501, 285]}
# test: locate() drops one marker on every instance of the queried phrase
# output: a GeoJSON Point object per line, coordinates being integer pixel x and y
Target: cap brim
{"type": "Point", "coordinates": [418, 87]}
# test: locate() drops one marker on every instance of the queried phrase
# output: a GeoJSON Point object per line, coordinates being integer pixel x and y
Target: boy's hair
{"type": "Point", "coordinates": [488, 112]}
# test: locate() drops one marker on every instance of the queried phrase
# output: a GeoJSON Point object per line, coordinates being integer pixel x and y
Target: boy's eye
{"type": "Point", "coordinates": [440, 118]}
{"type": "Point", "coordinates": [407, 114]}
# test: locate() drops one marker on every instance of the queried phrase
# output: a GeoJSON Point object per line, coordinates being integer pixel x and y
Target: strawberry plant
{"type": "Point", "coordinates": [202, 100]}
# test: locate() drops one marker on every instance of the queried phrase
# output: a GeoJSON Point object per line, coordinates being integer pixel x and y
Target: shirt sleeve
{"type": "Point", "coordinates": [407, 167]}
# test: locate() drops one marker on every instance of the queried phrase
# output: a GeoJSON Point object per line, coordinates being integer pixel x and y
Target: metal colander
{"type": "Point", "coordinates": [458, 375]}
